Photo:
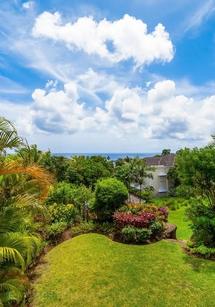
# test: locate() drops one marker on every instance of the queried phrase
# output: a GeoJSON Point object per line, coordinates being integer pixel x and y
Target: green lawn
{"type": "Point", "coordinates": [178, 218]}
{"type": "Point", "coordinates": [91, 270]}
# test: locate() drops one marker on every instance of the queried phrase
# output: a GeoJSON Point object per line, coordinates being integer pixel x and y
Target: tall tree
{"type": "Point", "coordinates": [196, 168]}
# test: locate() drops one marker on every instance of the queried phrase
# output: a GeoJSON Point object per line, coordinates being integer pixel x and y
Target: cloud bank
{"type": "Point", "coordinates": [115, 41]}
{"type": "Point", "coordinates": [158, 112]}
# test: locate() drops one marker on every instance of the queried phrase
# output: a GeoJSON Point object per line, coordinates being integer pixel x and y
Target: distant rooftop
{"type": "Point", "coordinates": [166, 160]}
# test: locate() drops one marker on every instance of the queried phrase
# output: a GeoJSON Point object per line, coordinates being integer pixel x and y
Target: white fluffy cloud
{"type": "Point", "coordinates": [158, 112]}
{"type": "Point", "coordinates": [28, 5]}
{"type": "Point", "coordinates": [115, 41]}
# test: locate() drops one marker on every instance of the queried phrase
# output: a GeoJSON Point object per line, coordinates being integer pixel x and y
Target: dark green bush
{"type": "Point", "coordinates": [135, 235]}
{"type": "Point", "coordinates": [84, 227]}
{"type": "Point", "coordinates": [55, 230]}
{"type": "Point", "coordinates": [202, 217]}
{"type": "Point", "coordinates": [110, 194]}
{"type": "Point", "coordinates": [184, 191]}
{"type": "Point", "coordinates": [105, 227]}
{"type": "Point", "coordinates": [147, 194]}
{"type": "Point", "coordinates": [61, 193]}
{"type": "Point", "coordinates": [156, 228]}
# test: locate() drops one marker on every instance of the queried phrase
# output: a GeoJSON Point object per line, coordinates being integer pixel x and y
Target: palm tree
{"type": "Point", "coordinates": [9, 138]}
{"type": "Point", "coordinates": [17, 248]}
{"type": "Point", "coordinates": [140, 171]}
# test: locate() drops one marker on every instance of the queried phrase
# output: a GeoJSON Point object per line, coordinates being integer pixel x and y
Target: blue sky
{"type": "Point", "coordinates": [109, 76]}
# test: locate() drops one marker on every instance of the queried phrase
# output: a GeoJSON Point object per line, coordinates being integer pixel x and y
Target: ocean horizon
{"type": "Point", "coordinates": [110, 155]}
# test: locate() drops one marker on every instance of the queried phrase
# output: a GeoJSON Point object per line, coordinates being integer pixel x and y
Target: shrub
{"type": "Point", "coordinates": [202, 250]}
{"type": "Point", "coordinates": [66, 193]}
{"type": "Point", "coordinates": [144, 219]}
{"type": "Point", "coordinates": [105, 227]}
{"type": "Point", "coordinates": [147, 194]}
{"type": "Point", "coordinates": [61, 193]}
{"type": "Point", "coordinates": [140, 215]}
{"type": "Point", "coordinates": [62, 213]}
{"type": "Point", "coordinates": [135, 235]}
{"type": "Point", "coordinates": [83, 227]}
{"type": "Point", "coordinates": [202, 217]}
{"type": "Point", "coordinates": [110, 194]}
{"type": "Point", "coordinates": [132, 208]}
{"type": "Point", "coordinates": [156, 228]}
{"type": "Point", "coordinates": [184, 191]}
{"type": "Point", "coordinates": [55, 230]}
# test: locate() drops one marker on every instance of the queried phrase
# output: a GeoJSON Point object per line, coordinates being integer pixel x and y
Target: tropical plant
{"type": "Point", "coordinates": [196, 169]}
{"type": "Point", "coordinates": [140, 171]}
{"type": "Point", "coordinates": [17, 250]}
{"type": "Point", "coordinates": [8, 136]}
{"type": "Point", "coordinates": [17, 247]}
{"type": "Point", "coordinates": [87, 170]}
{"type": "Point", "coordinates": [110, 194]}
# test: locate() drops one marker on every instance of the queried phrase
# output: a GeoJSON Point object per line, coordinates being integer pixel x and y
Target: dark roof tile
{"type": "Point", "coordinates": [167, 160]}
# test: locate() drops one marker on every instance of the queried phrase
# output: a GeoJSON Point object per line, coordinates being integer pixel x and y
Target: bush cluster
{"type": "Point", "coordinates": [144, 219]}
{"type": "Point", "coordinates": [55, 230]}
{"type": "Point", "coordinates": [84, 227]}
{"type": "Point", "coordinates": [202, 216]}
{"type": "Point", "coordinates": [62, 213]}
{"type": "Point", "coordinates": [135, 235]}
{"type": "Point", "coordinates": [138, 223]}
{"type": "Point", "coordinates": [202, 250]}
{"type": "Point", "coordinates": [110, 194]}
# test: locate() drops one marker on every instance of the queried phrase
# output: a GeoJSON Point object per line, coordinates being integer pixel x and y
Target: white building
{"type": "Point", "coordinates": [161, 166]}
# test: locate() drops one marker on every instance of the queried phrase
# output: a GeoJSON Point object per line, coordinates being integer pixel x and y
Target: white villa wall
{"type": "Point", "coordinates": [159, 181]}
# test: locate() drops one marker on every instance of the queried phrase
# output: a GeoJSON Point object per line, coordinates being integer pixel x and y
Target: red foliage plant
{"type": "Point", "coordinates": [142, 220]}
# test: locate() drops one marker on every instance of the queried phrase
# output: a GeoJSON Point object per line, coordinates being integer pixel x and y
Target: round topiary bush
{"type": "Point", "coordinates": [110, 194]}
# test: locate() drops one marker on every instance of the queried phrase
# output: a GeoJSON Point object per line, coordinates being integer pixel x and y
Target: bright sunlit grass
{"type": "Point", "coordinates": [178, 218]}
{"type": "Point", "coordinates": [91, 270]}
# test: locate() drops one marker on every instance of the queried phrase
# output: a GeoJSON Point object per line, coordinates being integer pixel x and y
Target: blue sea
{"type": "Point", "coordinates": [112, 156]}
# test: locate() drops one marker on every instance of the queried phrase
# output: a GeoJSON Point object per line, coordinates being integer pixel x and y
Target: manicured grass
{"type": "Point", "coordinates": [178, 218]}
{"type": "Point", "coordinates": [91, 270]}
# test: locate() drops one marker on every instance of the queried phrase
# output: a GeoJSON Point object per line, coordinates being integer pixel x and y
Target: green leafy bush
{"type": "Point", "coordinates": [135, 235]}
{"type": "Point", "coordinates": [61, 193]}
{"type": "Point", "coordinates": [83, 227]}
{"type": "Point", "coordinates": [202, 217]}
{"type": "Point", "coordinates": [105, 227]}
{"type": "Point", "coordinates": [184, 191]}
{"type": "Point", "coordinates": [55, 230]}
{"type": "Point", "coordinates": [110, 194]}
{"type": "Point", "coordinates": [156, 228]}
{"type": "Point", "coordinates": [132, 208]}
{"type": "Point", "coordinates": [62, 213]}
{"type": "Point", "coordinates": [202, 250]}
{"type": "Point", "coordinates": [147, 194]}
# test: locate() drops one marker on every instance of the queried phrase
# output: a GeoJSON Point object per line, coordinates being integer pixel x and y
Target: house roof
{"type": "Point", "coordinates": [167, 160]}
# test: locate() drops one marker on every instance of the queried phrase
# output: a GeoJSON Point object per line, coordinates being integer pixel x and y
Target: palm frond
{"type": "Point", "coordinates": [44, 179]}
{"type": "Point", "coordinates": [8, 135]}
{"type": "Point", "coordinates": [10, 220]}
{"type": "Point", "coordinates": [9, 255]}
{"type": "Point", "coordinates": [27, 246]}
